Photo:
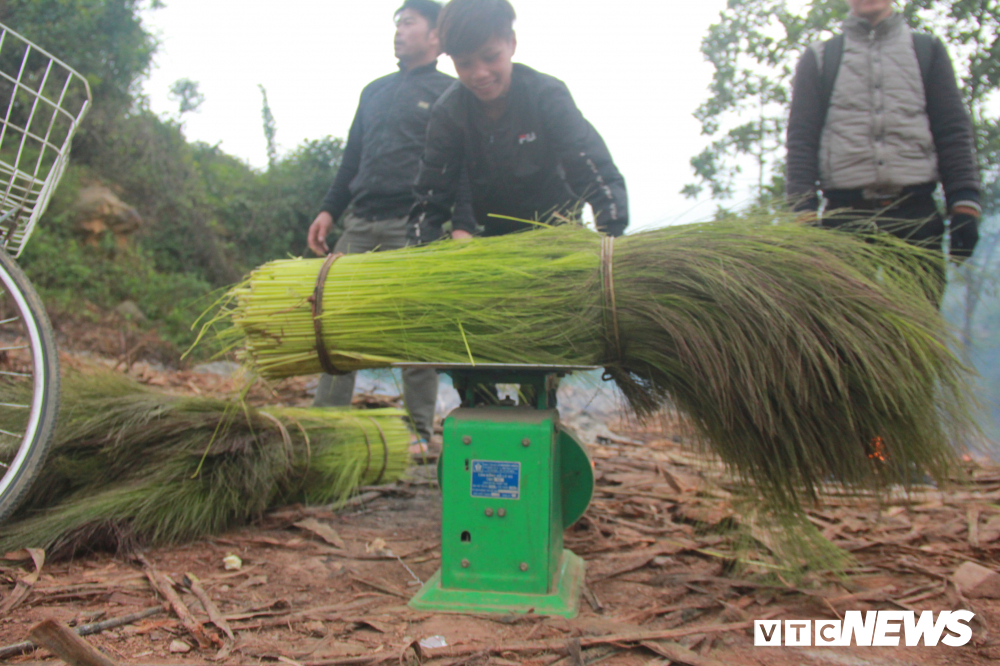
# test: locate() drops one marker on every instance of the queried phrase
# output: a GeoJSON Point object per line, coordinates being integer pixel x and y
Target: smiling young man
{"type": "Point", "coordinates": [876, 122]}
{"type": "Point", "coordinates": [374, 183]}
{"type": "Point", "coordinates": [528, 151]}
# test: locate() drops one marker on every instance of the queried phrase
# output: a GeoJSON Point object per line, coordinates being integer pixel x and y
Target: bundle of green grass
{"type": "Point", "coordinates": [795, 351]}
{"type": "Point", "coordinates": [130, 466]}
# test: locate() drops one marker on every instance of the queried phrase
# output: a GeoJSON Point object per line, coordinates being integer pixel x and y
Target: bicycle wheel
{"type": "Point", "coordinates": [29, 384]}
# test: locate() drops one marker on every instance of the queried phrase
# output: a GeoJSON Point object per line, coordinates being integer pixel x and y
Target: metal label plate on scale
{"type": "Point", "coordinates": [495, 479]}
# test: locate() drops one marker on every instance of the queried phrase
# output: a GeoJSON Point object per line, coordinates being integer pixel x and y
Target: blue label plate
{"type": "Point", "coordinates": [496, 479]}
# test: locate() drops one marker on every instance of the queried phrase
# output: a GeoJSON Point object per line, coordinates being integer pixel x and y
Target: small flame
{"type": "Point", "coordinates": [878, 449]}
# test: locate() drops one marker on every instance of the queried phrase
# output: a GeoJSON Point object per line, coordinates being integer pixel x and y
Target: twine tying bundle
{"type": "Point", "coordinates": [613, 354]}
{"type": "Point", "coordinates": [317, 312]}
{"type": "Point", "coordinates": [385, 452]}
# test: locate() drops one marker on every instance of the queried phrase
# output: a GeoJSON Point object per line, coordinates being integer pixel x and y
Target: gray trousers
{"type": "Point", "coordinates": [419, 385]}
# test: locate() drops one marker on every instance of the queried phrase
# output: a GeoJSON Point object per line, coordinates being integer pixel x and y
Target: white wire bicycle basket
{"type": "Point", "coordinates": [44, 100]}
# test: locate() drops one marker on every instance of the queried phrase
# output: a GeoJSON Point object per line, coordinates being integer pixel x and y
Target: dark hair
{"type": "Point", "coordinates": [466, 25]}
{"type": "Point", "coordinates": [426, 8]}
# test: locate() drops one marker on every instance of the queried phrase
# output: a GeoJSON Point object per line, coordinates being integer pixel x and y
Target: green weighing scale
{"type": "Point", "coordinates": [512, 479]}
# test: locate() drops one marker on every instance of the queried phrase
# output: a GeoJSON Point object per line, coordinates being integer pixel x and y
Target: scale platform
{"type": "Point", "coordinates": [512, 479]}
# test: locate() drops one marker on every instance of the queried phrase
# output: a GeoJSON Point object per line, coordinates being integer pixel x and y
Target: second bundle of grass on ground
{"type": "Point", "coordinates": [132, 467]}
{"type": "Point", "coordinates": [792, 349]}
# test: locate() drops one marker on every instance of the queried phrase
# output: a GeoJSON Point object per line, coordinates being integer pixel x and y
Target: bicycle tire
{"type": "Point", "coordinates": [20, 465]}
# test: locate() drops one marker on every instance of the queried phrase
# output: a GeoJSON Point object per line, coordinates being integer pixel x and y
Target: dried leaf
{"type": "Point", "coordinates": [380, 627]}
{"type": "Point", "coordinates": [24, 583]}
{"type": "Point", "coordinates": [990, 532]}
{"type": "Point", "coordinates": [323, 531]}
{"type": "Point", "coordinates": [609, 567]}
{"type": "Point", "coordinates": [376, 546]}
{"type": "Point", "coordinates": [178, 646]}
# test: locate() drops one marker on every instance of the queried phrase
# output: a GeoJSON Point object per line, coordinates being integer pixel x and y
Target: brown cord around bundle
{"type": "Point", "coordinates": [308, 443]}
{"type": "Point", "coordinates": [317, 310]}
{"type": "Point", "coordinates": [368, 444]}
{"type": "Point", "coordinates": [285, 437]}
{"type": "Point", "coordinates": [385, 451]}
{"type": "Point", "coordinates": [608, 284]}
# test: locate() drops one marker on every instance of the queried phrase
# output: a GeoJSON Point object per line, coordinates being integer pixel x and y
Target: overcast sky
{"type": "Point", "coordinates": [634, 68]}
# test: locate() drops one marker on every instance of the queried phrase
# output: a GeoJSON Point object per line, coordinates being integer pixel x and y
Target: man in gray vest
{"type": "Point", "coordinates": [374, 183]}
{"type": "Point", "coordinates": [876, 123]}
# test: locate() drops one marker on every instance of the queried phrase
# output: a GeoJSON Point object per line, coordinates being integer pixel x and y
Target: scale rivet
{"type": "Point", "coordinates": [524, 566]}
{"type": "Point", "coordinates": [501, 512]}
{"type": "Point", "coordinates": [465, 564]}
{"type": "Point", "coordinates": [525, 442]}
{"type": "Point", "coordinates": [489, 512]}
{"type": "Point", "coordinates": [466, 440]}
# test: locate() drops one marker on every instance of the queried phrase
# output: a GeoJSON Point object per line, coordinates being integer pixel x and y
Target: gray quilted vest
{"type": "Point", "coordinates": [877, 135]}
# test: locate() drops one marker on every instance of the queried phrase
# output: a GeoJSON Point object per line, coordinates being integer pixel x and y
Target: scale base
{"type": "Point", "coordinates": [565, 601]}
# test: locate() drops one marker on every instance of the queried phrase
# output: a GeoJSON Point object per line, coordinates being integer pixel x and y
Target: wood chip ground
{"type": "Point", "coordinates": [677, 571]}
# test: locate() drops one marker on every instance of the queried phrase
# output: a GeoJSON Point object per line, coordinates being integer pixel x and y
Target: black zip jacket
{"type": "Point", "coordinates": [949, 121]}
{"type": "Point", "coordinates": [541, 157]}
{"type": "Point", "coordinates": [382, 156]}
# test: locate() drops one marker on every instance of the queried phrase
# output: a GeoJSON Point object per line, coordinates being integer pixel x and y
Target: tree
{"type": "Point", "coordinates": [105, 41]}
{"type": "Point", "coordinates": [270, 128]}
{"type": "Point", "coordinates": [102, 39]}
{"type": "Point", "coordinates": [266, 215]}
{"type": "Point", "coordinates": [208, 217]}
{"type": "Point", "coordinates": [754, 48]}
{"type": "Point", "coordinates": [185, 92]}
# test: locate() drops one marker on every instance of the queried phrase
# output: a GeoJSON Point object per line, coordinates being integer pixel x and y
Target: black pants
{"type": "Point", "coordinates": [913, 217]}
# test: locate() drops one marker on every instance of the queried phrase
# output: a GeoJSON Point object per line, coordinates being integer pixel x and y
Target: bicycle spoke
{"type": "Point", "coordinates": [10, 434]}
{"type": "Point", "coordinates": [13, 406]}
{"type": "Point", "coordinates": [2, 349]}
{"type": "Point", "coordinates": [10, 321]}
{"type": "Point", "coordinates": [14, 374]}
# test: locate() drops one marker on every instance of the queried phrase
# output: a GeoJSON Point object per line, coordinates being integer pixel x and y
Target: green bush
{"type": "Point", "coordinates": [72, 278]}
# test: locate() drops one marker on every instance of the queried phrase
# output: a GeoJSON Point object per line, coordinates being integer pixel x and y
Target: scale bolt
{"type": "Point", "coordinates": [524, 566]}
{"type": "Point", "coordinates": [489, 512]}
{"type": "Point", "coordinates": [466, 440]}
{"type": "Point", "coordinates": [525, 442]}
{"type": "Point", "coordinates": [465, 564]}
{"type": "Point", "coordinates": [501, 512]}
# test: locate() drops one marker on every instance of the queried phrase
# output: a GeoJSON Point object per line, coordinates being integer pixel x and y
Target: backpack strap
{"type": "Point", "coordinates": [923, 45]}
{"type": "Point", "coordinates": [832, 54]}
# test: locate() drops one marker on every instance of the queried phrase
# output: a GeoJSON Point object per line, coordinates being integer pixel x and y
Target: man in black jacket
{"type": "Point", "coordinates": [528, 151]}
{"type": "Point", "coordinates": [876, 123]}
{"type": "Point", "coordinates": [376, 177]}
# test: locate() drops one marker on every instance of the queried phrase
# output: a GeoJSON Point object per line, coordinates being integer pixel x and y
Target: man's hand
{"type": "Point", "coordinates": [964, 234]}
{"type": "Point", "coordinates": [318, 231]}
{"type": "Point", "coordinates": [460, 234]}
{"type": "Point", "coordinates": [419, 232]}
